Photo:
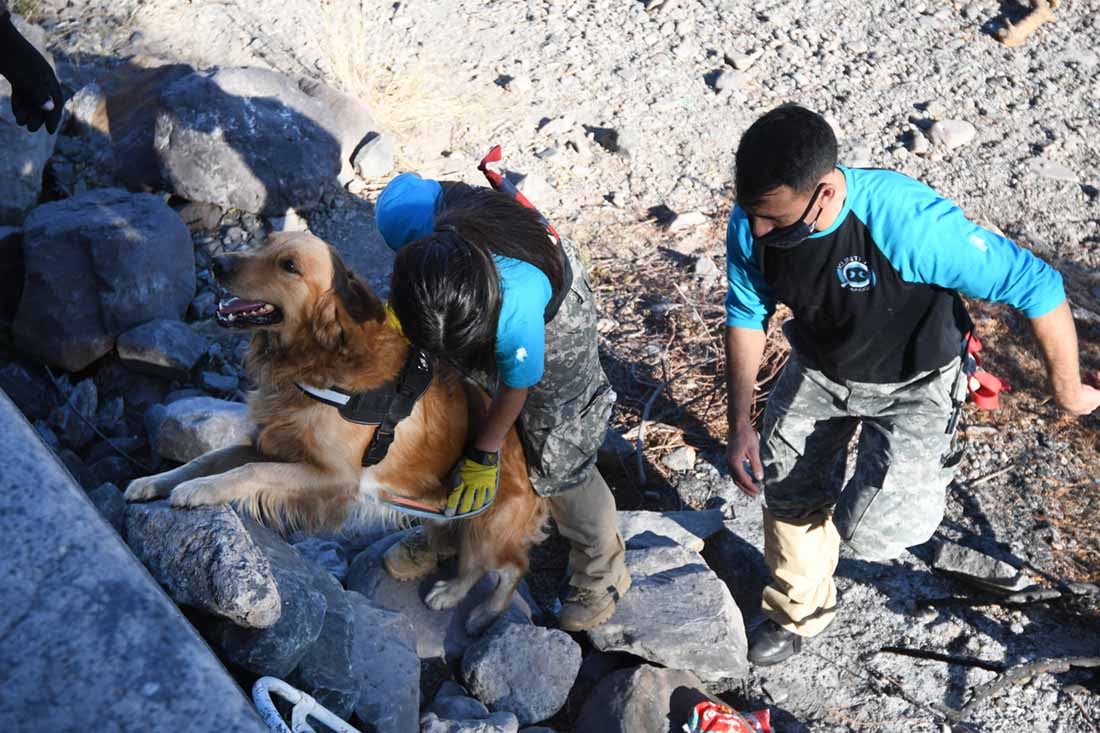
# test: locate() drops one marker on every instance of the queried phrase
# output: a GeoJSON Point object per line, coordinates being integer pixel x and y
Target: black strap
{"type": "Point", "coordinates": [566, 283]}
{"type": "Point", "coordinates": [413, 381]}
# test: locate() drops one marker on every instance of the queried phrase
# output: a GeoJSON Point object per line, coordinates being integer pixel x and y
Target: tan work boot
{"type": "Point", "coordinates": [587, 608]}
{"type": "Point", "coordinates": [412, 557]}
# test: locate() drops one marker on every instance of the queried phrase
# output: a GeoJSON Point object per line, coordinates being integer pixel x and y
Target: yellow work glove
{"type": "Point", "coordinates": [474, 484]}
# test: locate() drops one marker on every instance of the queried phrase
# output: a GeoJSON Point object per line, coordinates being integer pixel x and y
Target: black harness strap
{"type": "Point", "coordinates": [384, 407]}
{"type": "Point", "coordinates": [413, 381]}
{"type": "Point", "coordinates": [566, 283]}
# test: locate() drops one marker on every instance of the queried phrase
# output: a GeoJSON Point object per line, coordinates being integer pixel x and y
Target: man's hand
{"type": "Point", "coordinates": [1075, 393]}
{"type": "Point", "coordinates": [1088, 397]}
{"type": "Point", "coordinates": [744, 447]}
{"type": "Point", "coordinates": [35, 94]}
{"type": "Point", "coordinates": [474, 484]}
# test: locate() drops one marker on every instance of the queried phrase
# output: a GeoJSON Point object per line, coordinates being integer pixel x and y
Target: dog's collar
{"type": "Point", "coordinates": [385, 407]}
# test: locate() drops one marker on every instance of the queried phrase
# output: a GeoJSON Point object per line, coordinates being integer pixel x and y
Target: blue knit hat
{"type": "Point", "coordinates": [406, 210]}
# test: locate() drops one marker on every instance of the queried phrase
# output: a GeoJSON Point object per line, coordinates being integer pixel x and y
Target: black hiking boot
{"type": "Point", "coordinates": [771, 644]}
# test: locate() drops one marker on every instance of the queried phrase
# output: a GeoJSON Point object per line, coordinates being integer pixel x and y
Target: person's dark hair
{"type": "Point", "coordinates": [505, 226]}
{"type": "Point", "coordinates": [445, 289]}
{"type": "Point", "coordinates": [789, 146]}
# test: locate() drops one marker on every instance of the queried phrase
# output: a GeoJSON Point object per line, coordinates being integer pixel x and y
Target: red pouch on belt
{"type": "Point", "coordinates": [984, 388]}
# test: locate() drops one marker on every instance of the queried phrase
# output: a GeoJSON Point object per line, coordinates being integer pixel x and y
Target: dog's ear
{"type": "Point", "coordinates": [354, 295]}
{"type": "Point", "coordinates": [327, 328]}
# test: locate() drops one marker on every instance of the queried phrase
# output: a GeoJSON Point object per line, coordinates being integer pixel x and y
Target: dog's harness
{"type": "Point", "coordinates": [385, 406]}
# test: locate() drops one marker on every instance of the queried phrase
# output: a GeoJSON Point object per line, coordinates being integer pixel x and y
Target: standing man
{"type": "Point", "coordinates": [35, 94]}
{"type": "Point", "coordinates": [872, 264]}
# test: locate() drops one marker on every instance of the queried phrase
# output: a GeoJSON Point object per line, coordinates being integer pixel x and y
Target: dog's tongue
{"type": "Point", "coordinates": [236, 305]}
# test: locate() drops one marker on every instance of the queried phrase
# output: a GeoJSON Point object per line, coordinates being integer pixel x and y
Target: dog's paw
{"type": "Point", "coordinates": [443, 595]}
{"type": "Point", "coordinates": [148, 488]}
{"type": "Point", "coordinates": [480, 619]}
{"type": "Point", "coordinates": [197, 492]}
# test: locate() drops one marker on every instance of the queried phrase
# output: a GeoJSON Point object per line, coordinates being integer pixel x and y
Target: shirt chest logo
{"type": "Point", "coordinates": [855, 275]}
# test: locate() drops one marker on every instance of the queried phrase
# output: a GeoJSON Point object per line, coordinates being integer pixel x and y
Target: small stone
{"type": "Point", "coordinates": [742, 61]}
{"type": "Point", "coordinates": [220, 383]}
{"type": "Point", "coordinates": [557, 126]}
{"type": "Point", "coordinates": [899, 153]}
{"type": "Point", "coordinates": [48, 436]}
{"type": "Point", "coordinates": [196, 425]}
{"type": "Point", "coordinates": [687, 221]}
{"type": "Point", "coordinates": [74, 420]}
{"type": "Point", "coordinates": [519, 84]}
{"type": "Point", "coordinates": [326, 553]}
{"type": "Point", "coordinates": [705, 268]}
{"type": "Point", "coordinates": [918, 144]}
{"type": "Point", "coordinates": [108, 500]}
{"type": "Point", "coordinates": [729, 80]}
{"type": "Point", "coordinates": [681, 459]}
{"type": "Point", "coordinates": [163, 348]}
{"type": "Point", "coordinates": [1046, 168]}
{"type": "Point", "coordinates": [375, 158]}
{"type": "Point", "coordinates": [32, 394]}
{"type": "Point", "coordinates": [978, 568]}
{"type": "Point", "coordinates": [952, 134]}
{"type": "Point", "coordinates": [204, 305]}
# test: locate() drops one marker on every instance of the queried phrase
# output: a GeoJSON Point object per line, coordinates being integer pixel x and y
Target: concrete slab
{"type": "Point", "coordinates": [88, 641]}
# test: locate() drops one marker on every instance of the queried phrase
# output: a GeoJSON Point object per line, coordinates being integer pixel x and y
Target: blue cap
{"type": "Point", "coordinates": [406, 210]}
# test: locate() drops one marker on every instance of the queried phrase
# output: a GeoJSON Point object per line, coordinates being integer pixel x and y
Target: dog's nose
{"type": "Point", "coordinates": [223, 266]}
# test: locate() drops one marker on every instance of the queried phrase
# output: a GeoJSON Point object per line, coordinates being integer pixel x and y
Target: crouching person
{"type": "Point", "coordinates": [871, 263]}
{"type": "Point", "coordinates": [479, 281]}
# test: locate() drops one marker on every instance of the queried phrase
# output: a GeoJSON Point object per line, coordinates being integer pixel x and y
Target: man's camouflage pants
{"type": "Point", "coordinates": [893, 500]}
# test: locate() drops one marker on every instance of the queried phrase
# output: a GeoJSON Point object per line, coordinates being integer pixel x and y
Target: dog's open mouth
{"type": "Point", "coordinates": [234, 312]}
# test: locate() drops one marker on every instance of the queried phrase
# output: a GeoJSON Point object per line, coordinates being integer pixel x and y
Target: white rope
{"type": "Point", "coordinates": [304, 706]}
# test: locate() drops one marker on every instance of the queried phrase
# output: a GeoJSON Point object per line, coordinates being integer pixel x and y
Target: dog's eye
{"type": "Point", "coordinates": [289, 266]}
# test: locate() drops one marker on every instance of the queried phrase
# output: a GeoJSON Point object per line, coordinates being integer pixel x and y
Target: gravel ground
{"type": "Point", "coordinates": [619, 118]}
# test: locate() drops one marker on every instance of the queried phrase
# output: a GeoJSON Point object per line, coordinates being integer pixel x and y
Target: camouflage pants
{"type": "Point", "coordinates": [894, 499]}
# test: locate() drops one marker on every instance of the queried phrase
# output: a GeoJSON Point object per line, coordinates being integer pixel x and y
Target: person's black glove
{"type": "Point", "coordinates": [35, 94]}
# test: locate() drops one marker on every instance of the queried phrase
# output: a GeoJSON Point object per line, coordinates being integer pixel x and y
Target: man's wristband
{"type": "Point", "coordinates": [485, 458]}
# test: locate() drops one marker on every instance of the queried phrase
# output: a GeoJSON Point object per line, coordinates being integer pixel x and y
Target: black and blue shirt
{"type": "Point", "coordinates": [875, 296]}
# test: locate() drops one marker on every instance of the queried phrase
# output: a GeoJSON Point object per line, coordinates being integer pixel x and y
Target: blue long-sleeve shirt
{"type": "Point", "coordinates": [875, 296]}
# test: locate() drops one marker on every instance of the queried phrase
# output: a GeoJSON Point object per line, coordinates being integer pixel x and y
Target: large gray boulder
{"type": "Point", "coordinates": [24, 153]}
{"type": "Point", "coordinates": [387, 667]}
{"type": "Point", "coordinates": [245, 138]}
{"type": "Point", "coordinates": [97, 265]}
{"type": "Point", "coordinates": [689, 529]}
{"type": "Point", "coordinates": [641, 699]}
{"type": "Point", "coordinates": [439, 634]}
{"type": "Point", "coordinates": [277, 649]}
{"type": "Point", "coordinates": [522, 669]}
{"type": "Point", "coordinates": [205, 558]}
{"type": "Point", "coordinates": [677, 614]}
{"type": "Point", "coordinates": [364, 661]}
{"type": "Point", "coordinates": [87, 639]}
{"type": "Point", "coordinates": [188, 428]}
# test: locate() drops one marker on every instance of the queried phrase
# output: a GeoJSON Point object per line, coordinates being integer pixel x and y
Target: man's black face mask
{"type": "Point", "coordinates": [794, 234]}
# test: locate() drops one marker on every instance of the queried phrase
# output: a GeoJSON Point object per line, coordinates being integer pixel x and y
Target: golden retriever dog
{"type": "Point", "coordinates": [314, 322]}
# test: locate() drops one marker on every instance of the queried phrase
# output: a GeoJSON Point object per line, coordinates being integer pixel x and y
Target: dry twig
{"type": "Point", "coordinates": [1015, 34]}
